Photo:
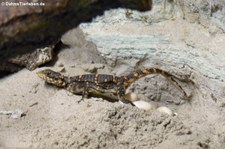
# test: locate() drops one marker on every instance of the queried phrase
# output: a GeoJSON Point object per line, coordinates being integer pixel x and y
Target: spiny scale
{"type": "Point", "coordinates": [57, 78]}
{"type": "Point", "coordinates": [96, 78]}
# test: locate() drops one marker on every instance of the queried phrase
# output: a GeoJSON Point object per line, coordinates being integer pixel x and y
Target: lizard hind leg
{"type": "Point", "coordinates": [121, 94]}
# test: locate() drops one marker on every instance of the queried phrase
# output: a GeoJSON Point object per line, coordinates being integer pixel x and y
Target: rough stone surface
{"type": "Point", "coordinates": [180, 48]}
{"type": "Point", "coordinates": [208, 13]}
{"type": "Point", "coordinates": [24, 28]}
{"type": "Point", "coordinates": [21, 22]}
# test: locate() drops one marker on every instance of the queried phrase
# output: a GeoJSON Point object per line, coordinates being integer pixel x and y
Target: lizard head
{"type": "Point", "coordinates": [53, 77]}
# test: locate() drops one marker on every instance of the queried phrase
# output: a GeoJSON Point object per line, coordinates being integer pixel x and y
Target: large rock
{"type": "Point", "coordinates": [26, 26]}
{"type": "Point", "coordinates": [49, 19]}
{"type": "Point", "coordinates": [207, 13]}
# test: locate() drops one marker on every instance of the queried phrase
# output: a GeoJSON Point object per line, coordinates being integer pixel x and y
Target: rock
{"type": "Point", "coordinates": [177, 44]}
{"type": "Point", "coordinates": [32, 60]}
{"type": "Point", "coordinates": [165, 110]}
{"type": "Point", "coordinates": [27, 26]}
{"type": "Point", "coordinates": [16, 29]}
{"type": "Point", "coordinates": [17, 113]}
{"type": "Point", "coordinates": [208, 13]}
{"type": "Point", "coordinates": [93, 68]}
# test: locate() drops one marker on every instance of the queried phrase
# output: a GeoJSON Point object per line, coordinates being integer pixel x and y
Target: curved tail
{"type": "Point", "coordinates": [134, 76]}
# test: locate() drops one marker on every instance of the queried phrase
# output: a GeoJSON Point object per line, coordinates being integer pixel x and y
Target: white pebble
{"type": "Point", "coordinates": [165, 110]}
{"type": "Point", "coordinates": [143, 105]}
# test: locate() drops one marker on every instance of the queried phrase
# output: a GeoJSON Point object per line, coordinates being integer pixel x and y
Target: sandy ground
{"type": "Point", "coordinates": [53, 118]}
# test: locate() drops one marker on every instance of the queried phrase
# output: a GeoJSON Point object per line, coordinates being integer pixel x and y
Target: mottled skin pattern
{"type": "Point", "coordinates": [102, 85]}
{"type": "Point", "coordinates": [99, 85]}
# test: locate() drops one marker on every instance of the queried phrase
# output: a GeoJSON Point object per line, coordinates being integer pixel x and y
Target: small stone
{"type": "Point", "coordinates": [165, 110]}
{"type": "Point", "coordinates": [14, 114]}
{"type": "Point", "coordinates": [94, 68]}
{"type": "Point", "coordinates": [60, 64]}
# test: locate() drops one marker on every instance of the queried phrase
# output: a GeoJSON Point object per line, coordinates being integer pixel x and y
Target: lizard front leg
{"type": "Point", "coordinates": [80, 88]}
{"type": "Point", "coordinates": [85, 91]}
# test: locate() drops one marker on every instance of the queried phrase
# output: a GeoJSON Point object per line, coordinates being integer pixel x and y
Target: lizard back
{"type": "Point", "coordinates": [95, 78]}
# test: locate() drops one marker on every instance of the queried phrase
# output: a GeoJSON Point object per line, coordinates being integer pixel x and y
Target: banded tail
{"type": "Point", "coordinates": [134, 76]}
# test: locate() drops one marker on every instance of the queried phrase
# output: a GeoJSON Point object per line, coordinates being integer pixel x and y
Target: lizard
{"type": "Point", "coordinates": [103, 85]}
{"type": "Point", "coordinates": [99, 85]}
